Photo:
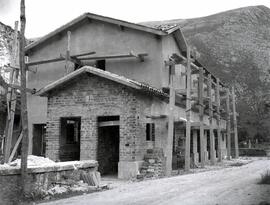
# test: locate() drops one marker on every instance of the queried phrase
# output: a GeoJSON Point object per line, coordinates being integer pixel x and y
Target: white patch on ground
{"type": "Point", "coordinates": [57, 190]}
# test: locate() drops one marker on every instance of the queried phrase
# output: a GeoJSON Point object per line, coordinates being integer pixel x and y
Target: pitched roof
{"type": "Point", "coordinates": [156, 31]}
{"type": "Point", "coordinates": [104, 74]}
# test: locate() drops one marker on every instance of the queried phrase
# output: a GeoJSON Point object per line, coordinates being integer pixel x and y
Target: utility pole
{"type": "Point", "coordinates": [24, 117]}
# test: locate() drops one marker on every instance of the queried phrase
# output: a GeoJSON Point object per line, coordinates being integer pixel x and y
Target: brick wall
{"type": "Point", "coordinates": [90, 96]}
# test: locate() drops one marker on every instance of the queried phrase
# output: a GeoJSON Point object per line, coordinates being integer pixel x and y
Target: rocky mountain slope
{"type": "Point", "coordinates": [235, 46]}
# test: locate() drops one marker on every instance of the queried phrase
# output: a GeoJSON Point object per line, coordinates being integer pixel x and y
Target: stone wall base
{"type": "Point", "coordinates": [196, 158]}
{"type": "Point", "coordinates": [128, 170]}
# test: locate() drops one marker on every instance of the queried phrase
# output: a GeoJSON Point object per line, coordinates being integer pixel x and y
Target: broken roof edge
{"type": "Point", "coordinates": [99, 18]}
{"type": "Point", "coordinates": [104, 74]}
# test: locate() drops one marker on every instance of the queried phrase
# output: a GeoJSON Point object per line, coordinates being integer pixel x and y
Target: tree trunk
{"type": "Point", "coordinates": [23, 101]}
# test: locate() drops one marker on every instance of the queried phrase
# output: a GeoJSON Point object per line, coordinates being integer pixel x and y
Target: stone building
{"type": "Point", "coordinates": [107, 99]}
{"type": "Point", "coordinates": [94, 114]}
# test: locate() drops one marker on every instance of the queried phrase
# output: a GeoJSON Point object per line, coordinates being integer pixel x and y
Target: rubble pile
{"type": "Point", "coordinates": [153, 165]}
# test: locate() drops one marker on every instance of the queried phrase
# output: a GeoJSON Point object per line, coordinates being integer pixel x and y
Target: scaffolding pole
{"type": "Point", "coordinates": [228, 125]}
{"type": "Point", "coordinates": [188, 112]}
{"type": "Point", "coordinates": [210, 106]}
{"type": "Point", "coordinates": [11, 98]}
{"type": "Point", "coordinates": [218, 120]}
{"type": "Point", "coordinates": [235, 132]}
{"type": "Point", "coordinates": [171, 121]}
{"type": "Point", "coordinates": [201, 112]}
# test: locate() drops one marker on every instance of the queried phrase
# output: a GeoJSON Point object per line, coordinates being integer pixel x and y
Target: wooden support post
{"type": "Point", "coordinates": [212, 137]}
{"type": "Point", "coordinates": [228, 124]}
{"type": "Point", "coordinates": [188, 113]}
{"type": "Point", "coordinates": [195, 146]}
{"type": "Point", "coordinates": [195, 141]}
{"type": "Point", "coordinates": [171, 122]}
{"type": "Point", "coordinates": [11, 99]}
{"type": "Point", "coordinates": [201, 112]}
{"type": "Point", "coordinates": [24, 114]}
{"type": "Point", "coordinates": [68, 64]}
{"type": "Point", "coordinates": [218, 120]}
{"type": "Point", "coordinates": [206, 153]}
{"type": "Point", "coordinates": [15, 148]}
{"type": "Point", "coordinates": [68, 45]}
{"type": "Point", "coordinates": [235, 124]}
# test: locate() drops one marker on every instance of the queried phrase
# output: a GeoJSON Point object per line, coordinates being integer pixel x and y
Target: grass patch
{"type": "Point", "coordinates": [265, 178]}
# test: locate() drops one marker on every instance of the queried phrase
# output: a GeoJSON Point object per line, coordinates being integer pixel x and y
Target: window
{"type": "Point", "coordinates": [70, 130]}
{"type": "Point", "coordinates": [101, 64]}
{"type": "Point", "coordinates": [150, 132]}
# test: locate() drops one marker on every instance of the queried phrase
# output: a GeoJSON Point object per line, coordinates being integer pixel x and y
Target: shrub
{"type": "Point", "coordinates": [265, 178]}
{"type": "Point", "coordinates": [252, 152]}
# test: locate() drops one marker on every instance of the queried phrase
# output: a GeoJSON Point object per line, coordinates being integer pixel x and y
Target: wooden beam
{"type": "Point", "coordinates": [18, 87]}
{"type": "Point", "coordinates": [201, 113]}
{"type": "Point", "coordinates": [11, 98]}
{"type": "Point", "coordinates": [83, 54]}
{"type": "Point", "coordinates": [181, 59]}
{"type": "Point", "coordinates": [218, 120]}
{"type": "Point", "coordinates": [188, 112]}
{"type": "Point", "coordinates": [69, 67]}
{"type": "Point", "coordinates": [235, 124]}
{"type": "Point", "coordinates": [109, 123]}
{"type": "Point", "coordinates": [212, 137]}
{"type": "Point", "coordinates": [24, 115]}
{"type": "Point", "coordinates": [184, 91]}
{"type": "Point", "coordinates": [130, 55]}
{"type": "Point", "coordinates": [68, 45]}
{"type": "Point", "coordinates": [228, 124]}
{"type": "Point", "coordinates": [171, 123]}
{"type": "Point", "coordinates": [15, 148]}
{"type": "Point", "coordinates": [195, 140]}
{"type": "Point", "coordinates": [60, 58]}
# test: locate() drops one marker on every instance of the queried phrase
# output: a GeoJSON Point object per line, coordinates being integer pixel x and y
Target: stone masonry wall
{"type": "Point", "coordinates": [40, 179]}
{"type": "Point", "coordinates": [89, 97]}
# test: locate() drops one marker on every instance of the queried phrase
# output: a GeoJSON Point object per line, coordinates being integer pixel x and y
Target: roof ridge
{"type": "Point", "coordinates": [135, 26]}
{"type": "Point", "coordinates": [105, 74]}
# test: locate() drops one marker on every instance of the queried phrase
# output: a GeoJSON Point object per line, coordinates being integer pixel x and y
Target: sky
{"type": "Point", "coordinates": [44, 16]}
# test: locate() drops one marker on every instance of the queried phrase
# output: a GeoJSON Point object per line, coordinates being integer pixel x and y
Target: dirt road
{"type": "Point", "coordinates": [234, 186]}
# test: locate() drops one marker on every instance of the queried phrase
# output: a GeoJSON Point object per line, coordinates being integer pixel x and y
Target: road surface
{"type": "Point", "coordinates": [236, 185]}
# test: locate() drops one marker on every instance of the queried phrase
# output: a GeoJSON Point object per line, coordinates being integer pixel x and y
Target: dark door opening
{"type": "Point", "coordinates": [70, 139]}
{"type": "Point", "coordinates": [39, 139]}
{"type": "Point", "coordinates": [108, 145]}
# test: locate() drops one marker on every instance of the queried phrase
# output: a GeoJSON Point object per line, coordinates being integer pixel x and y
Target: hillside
{"type": "Point", "coordinates": [235, 46]}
